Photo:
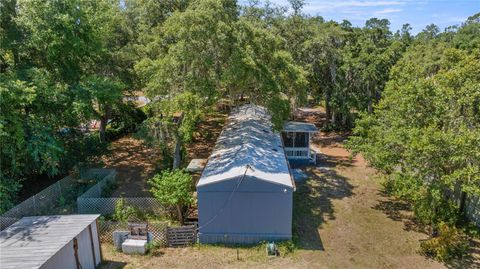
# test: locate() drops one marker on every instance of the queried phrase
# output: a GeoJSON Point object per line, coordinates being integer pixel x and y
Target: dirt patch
{"type": "Point", "coordinates": [205, 136]}
{"type": "Point", "coordinates": [135, 163]}
{"type": "Point", "coordinates": [341, 220]}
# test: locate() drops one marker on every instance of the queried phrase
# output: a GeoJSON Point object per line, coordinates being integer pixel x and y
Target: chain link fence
{"type": "Point", "coordinates": [472, 209]}
{"type": "Point", "coordinates": [96, 200]}
{"type": "Point", "coordinates": [57, 199]}
{"type": "Point", "coordinates": [106, 206]}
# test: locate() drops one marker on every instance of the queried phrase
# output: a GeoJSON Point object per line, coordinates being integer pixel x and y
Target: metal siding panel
{"type": "Point", "coordinates": [246, 216]}
{"type": "Point", "coordinates": [96, 242]}
{"type": "Point", "coordinates": [85, 250]}
{"type": "Point", "coordinates": [64, 258]}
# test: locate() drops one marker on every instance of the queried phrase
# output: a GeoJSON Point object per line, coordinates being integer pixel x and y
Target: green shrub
{"type": "Point", "coordinates": [173, 188]}
{"type": "Point", "coordinates": [123, 212]}
{"type": "Point", "coordinates": [8, 191]}
{"type": "Point", "coordinates": [152, 246]}
{"type": "Point", "coordinates": [449, 244]}
{"type": "Point", "coordinates": [286, 247]}
{"type": "Point", "coordinates": [427, 201]}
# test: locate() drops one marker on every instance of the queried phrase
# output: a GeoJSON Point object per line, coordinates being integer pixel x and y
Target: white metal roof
{"type": "Point", "coordinates": [248, 139]}
{"type": "Point", "coordinates": [32, 241]}
{"type": "Point", "coordinates": [297, 126]}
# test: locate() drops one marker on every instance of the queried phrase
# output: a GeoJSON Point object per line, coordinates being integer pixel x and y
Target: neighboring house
{"type": "Point", "coordinates": [67, 242]}
{"type": "Point", "coordinates": [296, 140]}
{"type": "Point", "coordinates": [245, 193]}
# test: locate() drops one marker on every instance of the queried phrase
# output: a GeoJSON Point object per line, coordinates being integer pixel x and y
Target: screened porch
{"type": "Point", "coordinates": [296, 141]}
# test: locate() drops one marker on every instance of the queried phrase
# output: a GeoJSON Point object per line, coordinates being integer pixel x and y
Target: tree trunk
{"type": "Point", "coordinates": [179, 213]}
{"type": "Point", "coordinates": [102, 128]}
{"type": "Point", "coordinates": [344, 120]}
{"type": "Point", "coordinates": [463, 201]}
{"type": "Point", "coordinates": [103, 123]}
{"type": "Point", "coordinates": [293, 107]}
{"type": "Point", "coordinates": [328, 109]}
{"type": "Point", "coordinates": [176, 154]}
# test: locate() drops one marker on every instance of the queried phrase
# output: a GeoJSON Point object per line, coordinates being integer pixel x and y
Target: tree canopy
{"type": "Point", "coordinates": [424, 133]}
{"type": "Point", "coordinates": [412, 101]}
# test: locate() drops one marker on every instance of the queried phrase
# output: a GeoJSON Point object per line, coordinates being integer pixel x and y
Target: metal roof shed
{"type": "Point", "coordinates": [69, 241]}
{"type": "Point", "coordinates": [245, 194]}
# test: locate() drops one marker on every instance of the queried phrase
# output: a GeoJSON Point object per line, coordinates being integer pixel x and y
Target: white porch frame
{"type": "Point", "coordinates": [301, 153]}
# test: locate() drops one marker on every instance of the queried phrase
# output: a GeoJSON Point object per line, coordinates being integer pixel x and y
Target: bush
{"type": "Point", "coordinates": [449, 244]}
{"type": "Point", "coordinates": [428, 202]}
{"type": "Point", "coordinates": [8, 191]}
{"type": "Point", "coordinates": [173, 187]}
{"type": "Point", "coordinates": [123, 212]}
{"type": "Point", "coordinates": [286, 247]}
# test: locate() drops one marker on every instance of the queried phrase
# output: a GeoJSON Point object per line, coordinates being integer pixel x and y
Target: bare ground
{"type": "Point", "coordinates": [136, 162]}
{"type": "Point", "coordinates": [341, 220]}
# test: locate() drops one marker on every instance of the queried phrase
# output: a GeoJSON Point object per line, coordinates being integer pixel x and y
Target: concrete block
{"type": "Point", "coordinates": [134, 246]}
{"type": "Point", "coordinates": [118, 238]}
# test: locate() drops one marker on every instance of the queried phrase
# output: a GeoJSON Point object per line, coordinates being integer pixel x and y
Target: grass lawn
{"type": "Point", "coordinates": [341, 220]}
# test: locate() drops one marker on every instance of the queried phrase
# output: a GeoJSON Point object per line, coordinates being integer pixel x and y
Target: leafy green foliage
{"type": "Point", "coordinates": [124, 212]}
{"type": "Point", "coordinates": [449, 244]}
{"type": "Point", "coordinates": [8, 189]}
{"type": "Point", "coordinates": [65, 63]}
{"type": "Point", "coordinates": [48, 52]}
{"type": "Point", "coordinates": [425, 130]}
{"type": "Point", "coordinates": [172, 187]}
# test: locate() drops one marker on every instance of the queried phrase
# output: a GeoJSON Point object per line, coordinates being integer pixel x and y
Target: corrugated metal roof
{"type": "Point", "coordinates": [296, 126]}
{"type": "Point", "coordinates": [248, 139]}
{"type": "Point", "coordinates": [31, 241]}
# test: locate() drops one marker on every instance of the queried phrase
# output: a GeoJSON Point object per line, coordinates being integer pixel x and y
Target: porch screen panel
{"type": "Point", "coordinates": [301, 140]}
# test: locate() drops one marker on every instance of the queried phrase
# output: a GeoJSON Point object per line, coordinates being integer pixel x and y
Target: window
{"type": "Point", "coordinates": [287, 139]}
{"type": "Point", "coordinates": [295, 140]}
{"type": "Point", "coordinates": [301, 140]}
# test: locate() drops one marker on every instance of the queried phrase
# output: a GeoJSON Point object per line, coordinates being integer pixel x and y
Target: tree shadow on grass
{"type": "Point", "coordinates": [334, 161]}
{"type": "Point", "coordinates": [313, 205]}
{"type": "Point", "coordinates": [398, 210]}
{"type": "Point", "coordinates": [470, 261]}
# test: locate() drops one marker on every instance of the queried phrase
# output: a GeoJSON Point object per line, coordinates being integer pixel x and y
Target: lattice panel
{"type": "Point", "coordinates": [158, 230]}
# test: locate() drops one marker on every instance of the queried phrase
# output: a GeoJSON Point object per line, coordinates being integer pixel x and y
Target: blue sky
{"type": "Point", "coordinates": [418, 13]}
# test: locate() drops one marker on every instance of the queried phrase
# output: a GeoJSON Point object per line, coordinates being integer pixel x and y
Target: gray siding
{"type": "Point", "coordinates": [256, 211]}
{"type": "Point", "coordinates": [65, 258]}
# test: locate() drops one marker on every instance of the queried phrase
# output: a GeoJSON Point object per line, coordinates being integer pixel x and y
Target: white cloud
{"type": "Point", "coordinates": [387, 11]}
{"type": "Point", "coordinates": [340, 6]}
{"type": "Point", "coordinates": [355, 9]}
